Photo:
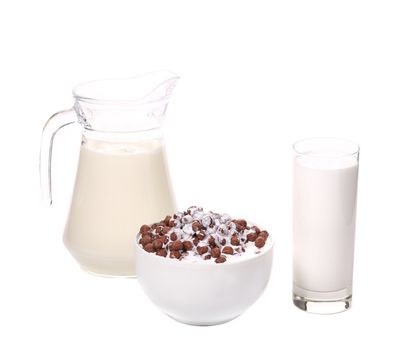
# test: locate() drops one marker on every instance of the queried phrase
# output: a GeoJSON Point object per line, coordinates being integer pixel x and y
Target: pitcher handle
{"type": "Point", "coordinates": [54, 124]}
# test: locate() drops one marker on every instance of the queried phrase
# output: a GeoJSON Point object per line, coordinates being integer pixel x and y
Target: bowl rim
{"type": "Point", "coordinates": [264, 251]}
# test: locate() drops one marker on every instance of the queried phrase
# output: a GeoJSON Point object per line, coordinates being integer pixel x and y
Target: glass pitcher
{"type": "Point", "coordinates": [122, 179]}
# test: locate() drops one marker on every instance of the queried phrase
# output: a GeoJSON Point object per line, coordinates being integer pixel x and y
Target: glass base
{"type": "Point", "coordinates": [322, 307]}
{"type": "Point", "coordinates": [106, 275]}
{"type": "Point", "coordinates": [322, 302]}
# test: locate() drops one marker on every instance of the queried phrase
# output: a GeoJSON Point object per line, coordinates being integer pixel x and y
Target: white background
{"type": "Point", "coordinates": [256, 76]}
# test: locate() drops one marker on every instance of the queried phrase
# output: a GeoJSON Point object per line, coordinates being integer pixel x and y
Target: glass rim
{"type": "Point", "coordinates": [91, 86]}
{"type": "Point", "coordinates": [354, 147]}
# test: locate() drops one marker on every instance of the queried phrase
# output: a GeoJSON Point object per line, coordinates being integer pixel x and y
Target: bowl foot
{"type": "Point", "coordinates": [201, 323]}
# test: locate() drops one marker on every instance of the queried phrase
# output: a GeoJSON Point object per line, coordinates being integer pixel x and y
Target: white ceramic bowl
{"type": "Point", "coordinates": [203, 292]}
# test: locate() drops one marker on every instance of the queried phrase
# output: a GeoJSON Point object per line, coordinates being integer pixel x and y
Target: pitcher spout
{"type": "Point", "coordinates": [164, 82]}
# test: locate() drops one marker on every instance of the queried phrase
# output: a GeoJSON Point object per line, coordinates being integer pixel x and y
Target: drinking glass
{"type": "Point", "coordinates": [324, 212]}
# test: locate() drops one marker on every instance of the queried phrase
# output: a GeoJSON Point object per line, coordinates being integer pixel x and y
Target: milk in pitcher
{"type": "Point", "coordinates": [118, 187]}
